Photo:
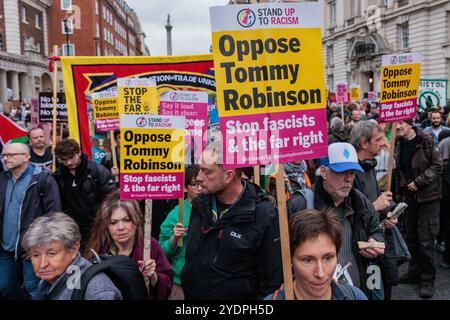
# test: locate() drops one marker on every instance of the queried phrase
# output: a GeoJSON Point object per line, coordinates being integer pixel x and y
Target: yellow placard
{"type": "Point", "coordinates": [399, 82]}
{"type": "Point", "coordinates": [355, 93]}
{"type": "Point", "coordinates": [105, 108]}
{"type": "Point", "coordinates": [138, 100]}
{"type": "Point", "coordinates": [268, 70]}
{"type": "Point", "coordinates": [152, 150]}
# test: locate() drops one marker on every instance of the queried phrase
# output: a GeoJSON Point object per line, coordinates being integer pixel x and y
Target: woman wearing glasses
{"type": "Point", "coordinates": [172, 230]}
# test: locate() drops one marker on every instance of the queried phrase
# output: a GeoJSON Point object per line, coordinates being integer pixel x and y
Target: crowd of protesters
{"type": "Point", "coordinates": [342, 235]}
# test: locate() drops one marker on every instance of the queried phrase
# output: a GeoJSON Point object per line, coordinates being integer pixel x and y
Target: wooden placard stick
{"type": "Point", "coordinates": [147, 234]}
{"type": "Point", "coordinates": [180, 219]}
{"type": "Point", "coordinates": [55, 96]}
{"type": "Point", "coordinates": [256, 178]}
{"type": "Point", "coordinates": [391, 156]}
{"type": "Point", "coordinates": [284, 233]}
{"type": "Point", "coordinates": [113, 153]}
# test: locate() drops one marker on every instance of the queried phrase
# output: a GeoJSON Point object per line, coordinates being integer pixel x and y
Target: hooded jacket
{"type": "Point", "coordinates": [83, 193]}
{"type": "Point", "coordinates": [239, 256]}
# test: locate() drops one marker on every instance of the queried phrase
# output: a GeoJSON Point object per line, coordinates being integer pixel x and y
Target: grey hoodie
{"type": "Point", "coordinates": [99, 288]}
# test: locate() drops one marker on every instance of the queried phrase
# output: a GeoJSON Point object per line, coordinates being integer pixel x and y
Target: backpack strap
{"type": "Point", "coordinates": [275, 294]}
{"type": "Point", "coordinates": [41, 182]}
{"type": "Point", "coordinates": [86, 277]}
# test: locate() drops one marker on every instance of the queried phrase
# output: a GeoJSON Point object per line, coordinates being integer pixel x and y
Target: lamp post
{"type": "Point", "coordinates": [66, 30]}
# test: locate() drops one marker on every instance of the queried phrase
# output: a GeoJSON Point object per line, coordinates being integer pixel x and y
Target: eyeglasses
{"type": "Point", "coordinates": [10, 155]}
{"type": "Point", "coordinates": [195, 185]}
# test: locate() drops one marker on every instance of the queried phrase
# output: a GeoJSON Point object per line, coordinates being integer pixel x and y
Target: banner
{"type": "Point", "coordinates": [194, 106]}
{"type": "Point", "coordinates": [341, 93]}
{"type": "Point", "coordinates": [105, 110]}
{"type": "Point", "coordinates": [152, 157]}
{"type": "Point", "coordinates": [399, 86]}
{"type": "Point", "coordinates": [355, 93]}
{"type": "Point", "coordinates": [432, 93]}
{"type": "Point", "coordinates": [46, 107]}
{"type": "Point", "coordinates": [84, 75]}
{"type": "Point", "coordinates": [270, 82]}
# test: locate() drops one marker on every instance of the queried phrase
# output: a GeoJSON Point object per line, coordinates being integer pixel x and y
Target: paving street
{"type": "Point", "coordinates": [411, 291]}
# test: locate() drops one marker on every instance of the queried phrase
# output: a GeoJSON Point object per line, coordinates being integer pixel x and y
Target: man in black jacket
{"type": "Point", "coordinates": [368, 139]}
{"type": "Point", "coordinates": [83, 184]}
{"type": "Point", "coordinates": [233, 244]}
{"type": "Point", "coordinates": [24, 196]}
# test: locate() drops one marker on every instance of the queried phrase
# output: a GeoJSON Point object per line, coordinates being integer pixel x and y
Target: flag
{"type": "Point", "coordinates": [10, 131]}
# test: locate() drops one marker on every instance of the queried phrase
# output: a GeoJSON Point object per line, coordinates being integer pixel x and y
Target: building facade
{"type": "Point", "coordinates": [357, 33]}
{"type": "Point", "coordinates": [96, 28]}
{"type": "Point", "coordinates": [30, 28]}
{"type": "Point", "coordinates": [23, 47]}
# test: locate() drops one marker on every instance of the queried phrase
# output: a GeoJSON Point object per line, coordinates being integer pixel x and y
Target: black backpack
{"type": "Point", "coordinates": [122, 271]}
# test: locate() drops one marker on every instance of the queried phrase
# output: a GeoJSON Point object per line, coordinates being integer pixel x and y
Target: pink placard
{"type": "Point", "coordinates": [280, 137]}
{"type": "Point", "coordinates": [140, 186]}
{"type": "Point", "coordinates": [372, 95]}
{"type": "Point", "coordinates": [105, 125]}
{"type": "Point", "coordinates": [194, 106]}
{"type": "Point", "coordinates": [398, 110]}
{"type": "Point", "coordinates": [341, 93]}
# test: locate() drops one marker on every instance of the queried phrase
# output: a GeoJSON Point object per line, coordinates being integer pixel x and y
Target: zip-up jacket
{"type": "Point", "coordinates": [239, 256]}
{"type": "Point", "coordinates": [427, 169]}
{"type": "Point", "coordinates": [33, 205]}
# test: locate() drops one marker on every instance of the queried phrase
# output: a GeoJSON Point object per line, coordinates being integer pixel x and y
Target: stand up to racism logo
{"type": "Point", "coordinates": [246, 18]}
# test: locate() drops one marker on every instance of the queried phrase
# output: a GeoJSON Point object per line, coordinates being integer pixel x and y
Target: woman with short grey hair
{"type": "Point", "coordinates": [52, 242]}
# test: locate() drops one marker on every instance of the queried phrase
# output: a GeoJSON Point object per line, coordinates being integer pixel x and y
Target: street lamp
{"type": "Point", "coordinates": [66, 30]}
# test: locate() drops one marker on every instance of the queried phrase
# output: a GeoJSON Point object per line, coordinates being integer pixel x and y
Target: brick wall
{"type": "Point", "coordinates": [29, 29]}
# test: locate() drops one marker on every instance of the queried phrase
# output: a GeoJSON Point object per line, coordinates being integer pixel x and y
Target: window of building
{"type": "Point", "coordinates": [37, 20]}
{"type": "Point", "coordinates": [66, 5]}
{"type": "Point", "coordinates": [104, 13]}
{"type": "Point", "coordinates": [330, 55]}
{"type": "Point", "coordinates": [330, 83]}
{"type": "Point", "coordinates": [1, 41]}
{"type": "Point", "coordinates": [38, 46]}
{"type": "Point", "coordinates": [333, 13]}
{"type": "Point", "coordinates": [24, 14]}
{"type": "Point", "coordinates": [355, 8]}
{"type": "Point", "coordinates": [96, 7]}
{"type": "Point", "coordinates": [404, 33]}
{"type": "Point", "coordinates": [69, 26]}
{"type": "Point", "coordinates": [97, 30]}
{"type": "Point", "coordinates": [70, 48]}
{"type": "Point", "coordinates": [402, 3]}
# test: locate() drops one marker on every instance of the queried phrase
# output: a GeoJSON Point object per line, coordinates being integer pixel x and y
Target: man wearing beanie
{"type": "Point", "coordinates": [418, 183]}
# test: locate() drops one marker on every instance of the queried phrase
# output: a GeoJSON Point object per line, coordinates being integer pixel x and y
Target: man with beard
{"type": "Point", "coordinates": [40, 156]}
{"type": "Point", "coordinates": [368, 139]}
{"type": "Point", "coordinates": [436, 125]}
{"type": "Point", "coordinates": [418, 183]}
{"type": "Point", "coordinates": [233, 243]}
{"type": "Point", "coordinates": [83, 184]}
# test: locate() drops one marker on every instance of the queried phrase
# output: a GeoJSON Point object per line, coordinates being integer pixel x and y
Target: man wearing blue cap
{"type": "Point", "coordinates": [334, 188]}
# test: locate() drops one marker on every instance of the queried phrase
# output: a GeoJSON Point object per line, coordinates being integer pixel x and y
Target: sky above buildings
{"type": "Point", "coordinates": [191, 33]}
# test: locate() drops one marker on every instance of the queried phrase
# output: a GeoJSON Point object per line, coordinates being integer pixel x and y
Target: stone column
{"type": "Point", "coordinates": [25, 87]}
{"type": "Point", "coordinates": [15, 85]}
{"type": "Point", "coordinates": [3, 86]}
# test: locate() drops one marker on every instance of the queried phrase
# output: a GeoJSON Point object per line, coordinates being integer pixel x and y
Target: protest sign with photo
{"type": "Point", "coordinates": [341, 93]}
